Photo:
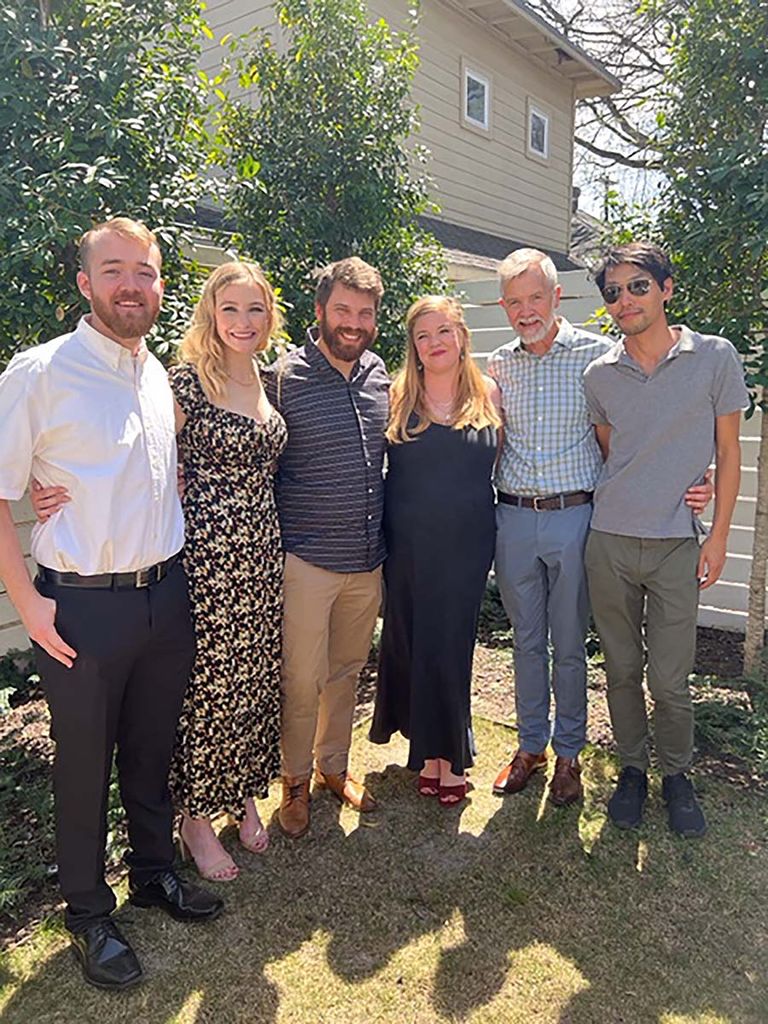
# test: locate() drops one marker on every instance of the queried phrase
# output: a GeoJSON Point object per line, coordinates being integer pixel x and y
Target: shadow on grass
{"type": "Point", "coordinates": [496, 911]}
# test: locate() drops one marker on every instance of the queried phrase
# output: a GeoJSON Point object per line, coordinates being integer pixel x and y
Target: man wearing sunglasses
{"type": "Point", "coordinates": [547, 469]}
{"type": "Point", "coordinates": [664, 401]}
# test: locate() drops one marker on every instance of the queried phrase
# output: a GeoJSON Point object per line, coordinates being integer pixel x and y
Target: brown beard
{"type": "Point", "coordinates": [126, 325]}
{"type": "Point", "coordinates": [345, 351]}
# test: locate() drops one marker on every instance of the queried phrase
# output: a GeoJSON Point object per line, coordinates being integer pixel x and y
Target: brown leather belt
{"type": "Point", "coordinates": [110, 580]}
{"type": "Point", "coordinates": [546, 502]}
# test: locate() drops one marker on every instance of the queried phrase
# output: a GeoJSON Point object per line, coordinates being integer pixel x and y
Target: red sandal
{"type": "Point", "coordinates": [449, 796]}
{"type": "Point", "coordinates": [429, 785]}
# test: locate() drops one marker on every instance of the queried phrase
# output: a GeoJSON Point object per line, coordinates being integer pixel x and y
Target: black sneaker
{"type": "Point", "coordinates": [625, 808]}
{"type": "Point", "coordinates": [686, 817]}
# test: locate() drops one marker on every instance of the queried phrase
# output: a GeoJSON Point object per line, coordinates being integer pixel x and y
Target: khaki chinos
{"type": "Point", "coordinates": [328, 620]}
{"type": "Point", "coordinates": [632, 578]}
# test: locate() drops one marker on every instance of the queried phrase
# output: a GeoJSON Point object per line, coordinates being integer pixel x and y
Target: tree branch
{"type": "Point", "coordinates": [616, 157]}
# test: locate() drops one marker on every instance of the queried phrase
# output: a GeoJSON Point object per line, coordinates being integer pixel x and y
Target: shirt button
{"type": "Point", "coordinates": [370, 490]}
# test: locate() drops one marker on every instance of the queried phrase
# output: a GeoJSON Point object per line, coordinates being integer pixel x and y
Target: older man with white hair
{"type": "Point", "coordinates": [545, 476]}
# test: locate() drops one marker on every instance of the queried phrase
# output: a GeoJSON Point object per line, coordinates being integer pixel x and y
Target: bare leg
{"type": "Point", "coordinates": [253, 835]}
{"type": "Point", "coordinates": [211, 859]}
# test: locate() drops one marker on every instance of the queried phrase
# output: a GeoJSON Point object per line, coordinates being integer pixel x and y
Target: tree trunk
{"type": "Point", "coordinates": [754, 640]}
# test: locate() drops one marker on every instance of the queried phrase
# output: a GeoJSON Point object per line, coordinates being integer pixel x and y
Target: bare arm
{"type": "Point", "coordinates": [37, 612]}
{"type": "Point", "coordinates": [727, 478]}
{"type": "Point", "coordinates": [603, 435]}
{"type": "Point", "coordinates": [494, 393]}
{"type": "Point", "coordinates": [179, 417]}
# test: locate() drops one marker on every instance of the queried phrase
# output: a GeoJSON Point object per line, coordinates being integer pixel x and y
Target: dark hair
{"type": "Point", "coordinates": [640, 254]}
{"type": "Point", "coordinates": [353, 273]}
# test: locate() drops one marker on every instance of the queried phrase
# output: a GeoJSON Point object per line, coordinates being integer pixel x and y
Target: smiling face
{"type": "Point", "coordinates": [347, 322]}
{"type": "Point", "coordinates": [242, 318]}
{"type": "Point", "coordinates": [530, 302]}
{"type": "Point", "coordinates": [123, 285]}
{"type": "Point", "coordinates": [635, 314]}
{"type": "Point", "coordinates": [438, 342]}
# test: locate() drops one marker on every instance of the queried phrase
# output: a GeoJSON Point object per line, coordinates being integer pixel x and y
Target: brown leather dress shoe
{"type": "Point", "coordinates": [565, 787]}
{"type": "Point", "coordinates": [346, 789]}
{"type": "Point", "coordinates": [293, 815]}
{"type": "Point", "coordinates": [515, 776]}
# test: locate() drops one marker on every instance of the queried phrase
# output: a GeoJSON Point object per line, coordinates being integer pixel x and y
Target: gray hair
{"type": "Point", "coordinates": [520, 260]}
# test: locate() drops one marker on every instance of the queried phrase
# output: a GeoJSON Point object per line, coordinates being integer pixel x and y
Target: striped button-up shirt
{"type": "Point", "coordinates": [549, 442]}
{"type": "Point", "coordinates": [330, 490]}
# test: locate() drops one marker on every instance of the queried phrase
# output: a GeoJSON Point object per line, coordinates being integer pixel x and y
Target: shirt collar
{"type": "Point", "coordinates": [565, 338]}
{"type": "Point", "coordinates": [687, 342]}
{"type": "Point", "coordinates": [108, 351]}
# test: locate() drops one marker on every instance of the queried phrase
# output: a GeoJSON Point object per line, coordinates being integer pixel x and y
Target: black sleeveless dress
{"type": "Point", "coordinates": [440, 528]}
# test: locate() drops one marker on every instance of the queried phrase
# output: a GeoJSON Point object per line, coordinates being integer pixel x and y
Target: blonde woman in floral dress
{"type": "Point", "coordinates": [229, 437]}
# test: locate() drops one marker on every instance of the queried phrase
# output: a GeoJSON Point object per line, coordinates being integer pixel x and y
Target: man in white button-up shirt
{"type": "Point", "coordinates": [108, 613]}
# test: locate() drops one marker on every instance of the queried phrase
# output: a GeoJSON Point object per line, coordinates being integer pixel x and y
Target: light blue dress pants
{"type": "Point", "coordinates": [542, 581]}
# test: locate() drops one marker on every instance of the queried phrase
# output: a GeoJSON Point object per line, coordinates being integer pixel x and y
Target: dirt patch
{"type": "Point", "coordinates": [719, 652]}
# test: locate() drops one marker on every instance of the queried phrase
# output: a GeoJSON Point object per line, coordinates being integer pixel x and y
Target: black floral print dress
{"type": "Point", "coordinates": [227, 743]}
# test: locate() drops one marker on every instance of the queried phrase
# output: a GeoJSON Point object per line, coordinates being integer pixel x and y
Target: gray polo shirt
{"type": "Point", "coordinates": [662, 431]}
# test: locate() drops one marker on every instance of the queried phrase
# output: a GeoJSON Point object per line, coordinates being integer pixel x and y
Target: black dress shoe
{"type": "Point", "coordinates": [180, 899]}
{"type": "Point", "coordinates": [105, 957]}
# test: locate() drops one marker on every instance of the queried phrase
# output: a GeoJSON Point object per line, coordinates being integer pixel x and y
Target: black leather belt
{"type": "Point", "coordinates": [110, 580]}
{"type": "Point", "coordinates": [546, 502]}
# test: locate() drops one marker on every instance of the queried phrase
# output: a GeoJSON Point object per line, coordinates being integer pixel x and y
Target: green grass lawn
{"type": "Point", "coordinates": [500, 911]}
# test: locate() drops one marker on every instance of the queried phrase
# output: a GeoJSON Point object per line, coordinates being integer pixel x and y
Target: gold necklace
{"type": "Point", "coordinates": [444, 411]}
{"type": "Point", "coordinates": [243, 383]}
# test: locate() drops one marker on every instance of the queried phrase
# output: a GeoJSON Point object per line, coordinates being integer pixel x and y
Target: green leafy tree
{"type": "Point", "coordinates": [102, 113]}
{"type": "Point", "coordinates": [714, 208]}
{"type": "Point", "coordinates": [329, 140]}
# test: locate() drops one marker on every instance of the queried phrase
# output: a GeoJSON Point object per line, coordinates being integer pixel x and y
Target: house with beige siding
{"type": "Point", "coordinates": [496, 88]}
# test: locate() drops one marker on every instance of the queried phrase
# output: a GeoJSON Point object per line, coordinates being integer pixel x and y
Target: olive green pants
{"type": "Point", "coordinates": [635, 581]}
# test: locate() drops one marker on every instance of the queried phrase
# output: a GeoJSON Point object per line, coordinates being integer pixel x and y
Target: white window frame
{"type": "Point", "coordinates": [534, 108]}
{"type": "Point", "coordinates": [470, 70]}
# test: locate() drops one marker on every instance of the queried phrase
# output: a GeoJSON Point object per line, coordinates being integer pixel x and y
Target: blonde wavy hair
{"type": "Point", "coordinates": [474, 407]}
{"type": "Point", "coordinates": [201, 344]}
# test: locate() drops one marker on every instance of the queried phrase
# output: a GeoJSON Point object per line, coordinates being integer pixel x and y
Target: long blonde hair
{"type": "Point", "coordinates": [201, 344]}
{"type": "Point", "coordinates": [474, 407]}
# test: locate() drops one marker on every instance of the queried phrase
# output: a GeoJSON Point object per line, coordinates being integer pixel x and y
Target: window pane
{"type": "Point", "coordinates": [538, 133]}
{"type": "Point", "coordinates": [475, 100]}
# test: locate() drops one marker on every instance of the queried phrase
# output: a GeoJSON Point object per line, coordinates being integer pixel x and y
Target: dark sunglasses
{"type": "Point", "coordinates": [637, 286]}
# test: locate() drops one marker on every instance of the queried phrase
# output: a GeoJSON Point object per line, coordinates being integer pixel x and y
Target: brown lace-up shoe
{"type": "Point", "coordinates": [565, 787]}
{"type": "Point", "coordinates": [515, 776]}
{"type": "Point", "coordinates": [346, 789]}
{"type": "Point", "coordinates": [293, 815]}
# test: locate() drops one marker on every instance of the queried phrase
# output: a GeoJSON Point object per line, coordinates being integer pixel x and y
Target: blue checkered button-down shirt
{"type": "Point", "coordinates": [549, 441]}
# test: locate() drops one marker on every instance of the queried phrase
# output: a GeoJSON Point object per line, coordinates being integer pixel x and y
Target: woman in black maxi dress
{"type": "Point", "coordinates": [440, 527]}
{"type": "Point", "coordinates": [439, 523]}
